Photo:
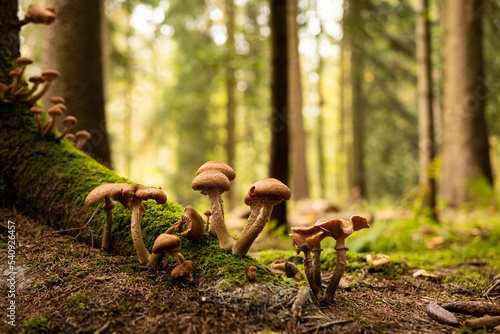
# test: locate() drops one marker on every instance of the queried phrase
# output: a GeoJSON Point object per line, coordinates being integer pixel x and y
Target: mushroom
{"type": "Point", "coordinates": [109, 204]}
{"type": "Point", "coordinates": [165, 244]}
{"type": "Point", "coordinates": [289, 268]}
{"type": "Point", "coordinates": [68, 122]}
{"type": "Point", "coordinates": [70, 137]}
{"type": "Point", "coordinates": [37, 112]}
{"type": "Point", "coordinates": [183, 270]}
{"type": "Point", "coordinates": [207, 214]}
{"type": "Point", "coordinates": [81, 138]}
{"type": "Point", "coordinates": [212, 179]}
{"type": "Point", "coordinates": [264, 195]}
{"type": "Point", "coordinates": [3, 89]}
{"type": "Point", "coordinates": [54, 112]}
{"type": "Point", "coordinates": [36, 81]}
{"type": "Point", "coordinates": [194, 222]}
{"type": "Point", "coordinates": [131, 195]}
{"type": "Point", "coordinates": [307, 239]}
{"type": "Point", "coordinates": [39, 14]}
{"type": "Point", "coordinates": [49, 76]}
{"type": "Point", "coordinates": [16, 77]}
{"type": "Point", "coordinates": [22, 62]}
{"type": "Point", "coordinates": [57, 99]}
{"type": "Point", "coordinates": [252, 273]}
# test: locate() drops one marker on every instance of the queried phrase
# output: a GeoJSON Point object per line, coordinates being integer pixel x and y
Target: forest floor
{"type": "Point", "coordinates": [65, 286]}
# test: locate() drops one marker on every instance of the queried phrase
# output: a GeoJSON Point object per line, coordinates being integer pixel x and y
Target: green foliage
{"type": "Point", "coordinates": [77, 301]}
{"type": "Point", "coordinates": [36, 325]}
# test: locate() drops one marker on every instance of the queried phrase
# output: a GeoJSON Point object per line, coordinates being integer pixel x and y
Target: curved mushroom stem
{"type": "Point", "coordinates": [137, 209]}
{"type": "Point", "coordinates": [309, 269]}
{"type": "Point", "coordinates": [247, 238]}
{"type": "Point", "coordinates": [254, 213]}
{"type": "Point", "coordinates": [22, 95]}
{"type": "Point", "coordinates": [177, 227]}
{"type": "Point", "coordinates": [106, 236]}
{"type": "Point", "coordinates": [32, 100]}
{"type": "Point", "coordinates": [339, 269]}
{"type": "Point", "coordinates": [207, 214]}
{"type": "Point", "coordinates": [218, 227]}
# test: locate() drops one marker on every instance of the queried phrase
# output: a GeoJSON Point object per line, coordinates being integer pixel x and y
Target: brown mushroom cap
{"type": "Point", "coordinates": [54, 111]}
{"type": "Point", "coordinates": [211, 180]}
{"type": "Point", "coordinates": [3, 87]}
{"type": "Point", "coordinates": [196, 226]}
{"type": "Point", "coordinates": [270, 189]}
{"type": "Point", "coordinates": [69, 121]}
{"type": "Point", "coordinates": [15, 73]}
{"type": "Point", "coordinates": [71, 137]}
{"type": "Point", "coordinates": [50, 75]}
{"type": "Point", "coordinates": [39, 14]}
{"type": "Point", "coordinates": [359, 222]}
{"type": "Point", "coordinates": [83, 134]}
{"type": "Point", "coordinates": [36, 79]}
{"type": "Point", "coordinates": [36, 110]}
{"type": "Point", "coordinates": [252, 273]}
{"type": "Point", "coordinates": [335, 227]}
{"type": "Point", "coordinates": [183, 269]}
{"type": "Point", "coordinates": [111, 190]}
{"type": "Point", "coordinates": [166, 243]}
{"type": "Point", "coordinates": [23, 61]}
{"type": "Point", "coordinates": [57, 99]}
{"type": "Point", "coordinates": [215, 165]}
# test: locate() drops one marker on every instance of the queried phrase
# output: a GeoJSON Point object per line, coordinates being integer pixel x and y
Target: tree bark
{"type": "Point", "coordinates": [8, 33]}
{"type": "Point", "coordinates": [72, 45]}
{"type": "Point", "coordinates": [465, 144]}
{"type": "Point", "coordinates": [279, 119]}
{"type": "Point", "coordinates": [427, 181]}
{"type": "Point", "coordinates": [353, 31]}
{"type": "Point", "coordinates": [300, 183]}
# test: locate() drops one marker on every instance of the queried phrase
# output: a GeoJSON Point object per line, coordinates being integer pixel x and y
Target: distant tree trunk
{"type": "Point", "coordinates": [231, 98]}
{"type": "Point", "coordinates": [427, 180]}
{"type": "Point", "coordinates": [344, 172]}
{"type": "Point", "coordinates": [72, 45]}
{"type": "Point", "coordinates": [465, 144]}
{"type": "Point", "coordinates": [8, 14]}
{"type": "Point", "coordinates": [279, 85]}
{"type": "Point", "coordinates": [127, 96]}
{"type": "Point", "coordinates": [300, 183]}
{"type": "Point", "coordinates": [353, 31]}
{"type": "Point", "coordinates": [320, 139]}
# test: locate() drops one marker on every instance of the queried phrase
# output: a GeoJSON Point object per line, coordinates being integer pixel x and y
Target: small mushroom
{"type": "Point", "coordinates": [54, 112]}
{"type": "Point", "coordinates": [263, 196]}
{"type": "Point", "coordinates": [192, 219]}
{"type": "Point", "coordinates": [252, 273]}
{"type": "Point", "coordinates": [70, 137]}
{"type": "Point", "coordinates": [36, 81]}
{"type": "Point", "coordinates": [39, 14]}
{"type": "Point", "coordinates": [37, 112]}
{"type": "Point", "coordinates": [81, 138]}
{"type": "Point", "coordinates": [68, 123]}
{"type": "Point", "coordinates": [207, 214]}
{"type": "Point", "coordinates": [131, 195]}
{"type": "Point", "coordinates": [165, 244]}
{"type": "Point", "coordinates": [214, 178]}
{"type": "Point", "coordinates": [289, 268]}
{"type": "Point", "coordinates": [57, 100]}
{"type": "Point", "coordinates": [22, 62]}
{"type": "Point", "coordinates": [183, 270]}
{"type": "Point", "coordinates": [49, 76]}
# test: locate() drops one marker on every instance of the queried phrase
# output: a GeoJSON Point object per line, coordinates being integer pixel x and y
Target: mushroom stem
{"type": "Point", "coordinates": [341, 250]}
{"type": "Point", "coordinates": [316, 272]}
{"type": "Point", "coordinates": [207, 213]}
{"type": "Point", "coordinates": [254, 213]}
{"type": "Point", "coordinates": [140, 248]}
{"type": "Point", "coordinates": [218, 227]}
{"type": "Point", "coordinates": [106, 236]}
{"type": "Point", "coordinates": [309, 269]}
{"type": "Point", "coordinates": [247, 238]}
{"type": "Point", "coordinates": [177, 227]}
{"type": "Point", "coordinates": [154, 259]}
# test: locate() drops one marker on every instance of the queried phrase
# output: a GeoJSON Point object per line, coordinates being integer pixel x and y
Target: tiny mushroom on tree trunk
{"type": "Point", "coordinates": [131, 195]}
{"type": "Point", "coordinates": [81, 138]}
{"type": "Point", "coordinates": [70, 137]}
{"type": "Point", "coordinates": [37, 112]}
{"type": "Point", "coordinates": [22, 62]}
{"type": "Point", "coordinates": [263, 196]}
{"type": "Point", "coordinates": [54, 112]}
{"type": "Point", "coordinates": [68, 122]}
{"type": "Point", "coordinates": [39, 14]}
{"type": "Point", "coordinates": [308, 239]}
{"type": "Point", "coordinates": [3, 89]}
{"type": "Point", "coordinates": [36, 81]}
{"type": "Point", "coordinates": [214, 178]}
{"type": "Point", "coordinates": [194, 222]}
{"type": "Point", "coordinates": [49, 76]}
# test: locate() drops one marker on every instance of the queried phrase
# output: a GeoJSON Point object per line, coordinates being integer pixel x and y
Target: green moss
{"type": "Point", "coordinates": [36, 325]}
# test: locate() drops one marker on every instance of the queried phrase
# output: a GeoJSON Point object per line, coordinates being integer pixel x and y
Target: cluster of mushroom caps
{"type": "Point", "coordinates": [308, 239]}
{"type": "Point", "coordinates": [212, 179]}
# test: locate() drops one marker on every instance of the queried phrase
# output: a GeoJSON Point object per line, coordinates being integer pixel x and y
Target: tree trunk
{"type": "Point", "coordinates": [466, 157]}
{"type": "Point", "coordinates": [353, 27]}
{"type": "Point", "coordinates": [72, 45]}
{"type": "Point", "coordinates": [279, 85]}
{"type": "Point", "coordinates": [231, 98]}
{"type": "Point", "coordinates": [9, 34]}
{"type": "Point", "coordinates": [427, 180]}
{"type": "Point", "coordinates": [300, 184]}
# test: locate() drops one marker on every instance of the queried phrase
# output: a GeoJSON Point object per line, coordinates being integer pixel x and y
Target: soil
{"type": "Point", "coordinates": [66, 286]}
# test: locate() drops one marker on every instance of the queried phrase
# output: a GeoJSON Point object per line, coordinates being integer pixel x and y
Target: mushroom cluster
{"type": "Point", "coordinates": [38, 14]}
{"type": "Point", "coordinates": [131, 196]}
{"type": "Point", "coordinates": [308, 239]}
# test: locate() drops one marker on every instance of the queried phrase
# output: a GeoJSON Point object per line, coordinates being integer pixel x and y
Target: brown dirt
{"type": "Point", "coordinates": [79, 289]}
